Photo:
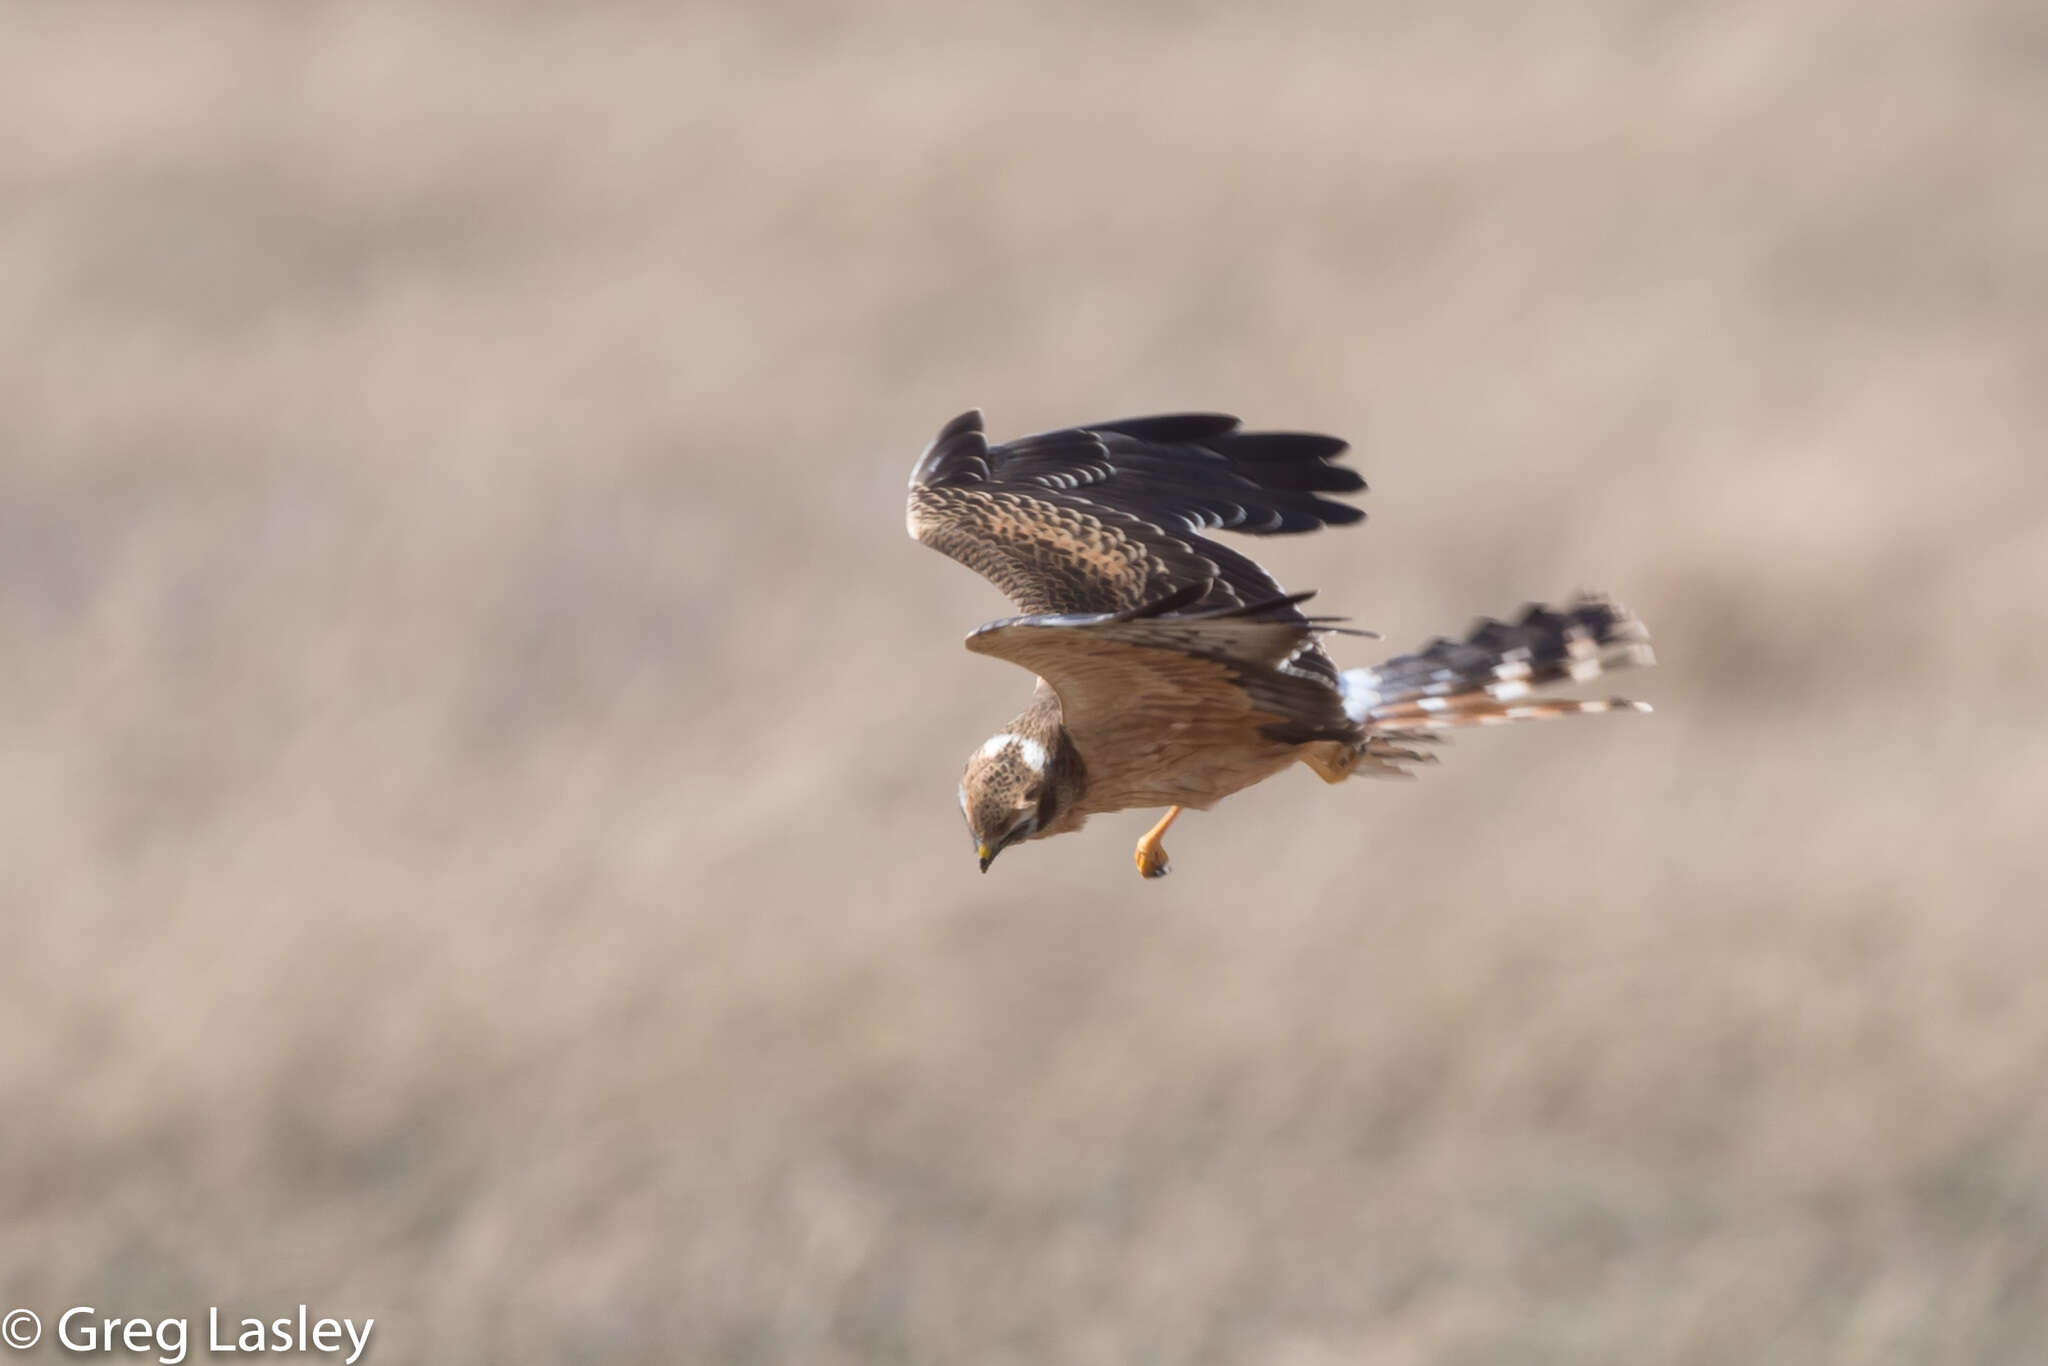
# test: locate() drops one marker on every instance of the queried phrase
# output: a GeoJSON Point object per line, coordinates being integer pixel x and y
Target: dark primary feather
{"type": "Point", "coordinates": [1169, 615]}
{"type": "Point", "coordinates": [1187, 471]}
{"type": "Point", "coordinates": [1106, 517]}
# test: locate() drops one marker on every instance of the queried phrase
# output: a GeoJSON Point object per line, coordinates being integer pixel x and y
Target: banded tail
{"type": "Point", "coordinates": [1485, 679]}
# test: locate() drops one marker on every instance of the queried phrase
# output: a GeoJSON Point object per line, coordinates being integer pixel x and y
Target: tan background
{"type": "Point", "coordinates": [477, 837]}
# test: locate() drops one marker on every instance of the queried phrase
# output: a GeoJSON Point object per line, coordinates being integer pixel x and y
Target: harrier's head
{"type": "Point", "coordinates": [1009, 793]}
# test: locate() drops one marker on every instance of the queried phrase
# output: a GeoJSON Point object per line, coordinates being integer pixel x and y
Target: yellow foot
{"type": "Point", "coordinates": [1332, 761]}
{"type": "Point", "coordinates": [1151, 852]}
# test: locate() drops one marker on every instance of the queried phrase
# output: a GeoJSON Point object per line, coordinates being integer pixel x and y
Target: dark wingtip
{"type": "Point", "coordinates": [959, 451]}
{"type": "Point", "coordinates": [1169, 427]}
{"type": "Point", "coordinates": [1184, 596]}
{"type": "Point", "coordinates": [1285, 602]}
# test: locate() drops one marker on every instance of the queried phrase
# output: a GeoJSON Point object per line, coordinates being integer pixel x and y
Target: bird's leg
{"type": "Point", "coordinates": [1151, 855]}
{"type": "Point", "coordinates": [1333, 761]}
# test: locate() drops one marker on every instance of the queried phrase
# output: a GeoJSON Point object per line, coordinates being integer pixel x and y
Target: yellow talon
{"type": "Point", "coordinates": [1151, 852]}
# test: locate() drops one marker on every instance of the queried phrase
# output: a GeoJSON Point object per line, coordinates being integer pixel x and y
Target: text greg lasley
{"type": "Point", "coordinates": [328, 1336]}
{"type": "Point", "coordinates": [85, 1329]}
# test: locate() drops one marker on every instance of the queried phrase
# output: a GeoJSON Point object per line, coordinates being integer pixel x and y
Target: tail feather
{"type": "Point", "coordinates": [1480, 680]}
{"type": "Point", "coordinates": [1487, 712]}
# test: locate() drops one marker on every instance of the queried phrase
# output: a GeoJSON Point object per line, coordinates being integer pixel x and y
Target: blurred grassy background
{"type": "Point", "coordinates": [476, 766]}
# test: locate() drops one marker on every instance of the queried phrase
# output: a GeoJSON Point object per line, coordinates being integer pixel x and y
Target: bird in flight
{"type": "Point", "coordinates": [1172, 671]}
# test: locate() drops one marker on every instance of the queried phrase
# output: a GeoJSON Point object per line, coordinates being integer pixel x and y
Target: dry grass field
{"type": "Point", "coordinates": [477, 831]}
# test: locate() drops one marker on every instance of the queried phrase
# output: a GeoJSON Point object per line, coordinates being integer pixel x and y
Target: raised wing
{"type": "Point", "coordinates": [1153, 677]}
{"type": "Point", "coordinates": [1106, 518]}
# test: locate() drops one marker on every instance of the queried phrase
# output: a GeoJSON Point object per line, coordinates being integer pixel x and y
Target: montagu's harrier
{"type": "Point", "coordinates": [1172, 671]}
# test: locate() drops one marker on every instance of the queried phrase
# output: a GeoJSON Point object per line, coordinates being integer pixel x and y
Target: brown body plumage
{"type": "Point", "coordinates": [1173, 671]}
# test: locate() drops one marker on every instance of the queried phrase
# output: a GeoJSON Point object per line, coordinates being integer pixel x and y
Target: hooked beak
{"type": "Point", "coordinates": [987, 854]}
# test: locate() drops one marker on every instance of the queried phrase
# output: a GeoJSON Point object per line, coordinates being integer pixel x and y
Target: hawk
{"type": "Point", "coordinates": [1172, 671]}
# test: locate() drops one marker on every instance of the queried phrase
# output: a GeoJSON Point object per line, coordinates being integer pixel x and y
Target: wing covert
{"type": "Point", "coordinates": [1154, 660]}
